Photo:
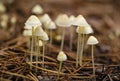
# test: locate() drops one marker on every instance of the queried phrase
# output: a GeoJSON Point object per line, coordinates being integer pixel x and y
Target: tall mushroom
{"type": "Point", "coordinates": [32, 22]}
{"type": "Point", "coordinates": [62, 21]}
{"type": "Point", "coordinates": [41, 35]}
{"type": "Point", "coordinates": [61, 57]}
{"type": "Point", "coordinates": [82, 28]}
{"type": "Point", "coordinates": [92, 41]}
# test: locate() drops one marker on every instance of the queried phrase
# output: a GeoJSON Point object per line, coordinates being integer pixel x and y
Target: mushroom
{"type": "Point", "coordinates": [37, 9]}
{"type": "Point", "coordinates": [41, 35]}
{"type": "Point", "coordinates": [62, 21]}
{"type": "Point", "coordinates": [82, 29]}
{"type": "Point", "coordinates": [61, 57]}
{"type": "Point", "coordinates": [71, 19]}
{"type": "Point", "coordinates": [51, 26]}
{"type": "Point", "coordinates": [32, 22]}
{"type": "Point", "coordinates": [92, 41]}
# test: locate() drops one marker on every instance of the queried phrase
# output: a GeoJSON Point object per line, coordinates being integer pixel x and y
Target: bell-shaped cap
{"type": "Point", "coordinates": [80, 29]}
{"type": "Point", "coordinates": [61, 56]}
{"type": "Point", "coordinates": [80, 21]}
{"type": "Point", "coordinates": [62, 20]}
{"type": "Point", "coordinates": [33, 21]}
{"type": "Point", "coordinates": [50, 25]}
{"type": "Point", "coordinates": [38, 31]}
{"type": "Point", "coordinates": [84, 29]}
{"type": "Point", "coordinates": [89, 30]}
{"type": "Point", "coordinates": [45, 18]}
{"type": "Point", "coordinates": [92, 40]}
{"type": "Point", "coordinates": [37, 9]}
{"type": "Point", "coordinates": [27, 33]}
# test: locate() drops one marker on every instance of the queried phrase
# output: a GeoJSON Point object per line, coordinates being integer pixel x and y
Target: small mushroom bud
{"type": "Point", "coordinates": [61, 56]}
{"type": "Point", "coordinates": [92, 40]}
{"type": "Point", "coordinates": [45, 18]}
{"type": "Point", "coordinates": [37, 9]}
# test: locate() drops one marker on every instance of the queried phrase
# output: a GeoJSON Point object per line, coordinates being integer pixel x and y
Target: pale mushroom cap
{"type": "Point", "coordinates": [2, 8]}
{"type": "Point", "coordinates": [50, 25]}
{"type": "Point", "coordinates": [45, 18]}
{"type": "Point", "coordinates": [80, 29]}
{"type": "Point", "coordinates": [44, 37]}
{"type": "Point", "coordinates": [40, 43]}
{"type": "Point", "coordinates": [27, 33]}
{"type": "Point", "coordinates": [62, 20]}
{"type": "Point", "coordinates": [71, 19]}
{"type": "Point", "coordinates": [89, 30]}
{"type": "Point", "coordinates": [38, 31]}
{"type": "Point", "coordinates": [92, 40]}
{"type": "Point", "coordinates": [33, 21]}
{"type": "Point", "coordinates": [37, 9]}
{"type": "Point", "coordinates": [84, 29]}
{"type": "Point", "coordinates": [61, 56]}
{"type": "Point", "coordinates": [80, 21]}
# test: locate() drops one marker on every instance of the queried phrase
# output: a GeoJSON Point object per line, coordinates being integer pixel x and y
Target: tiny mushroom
{"type": "Point", "coordinates": [61, 57]}
{"type": "Point", "coordinates": [92, 41]}
{"type": "Point", "coordinates": [37, 9]}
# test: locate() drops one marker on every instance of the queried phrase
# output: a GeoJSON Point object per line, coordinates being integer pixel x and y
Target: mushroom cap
{"type": "Point", "coordinates": [92, 40]}
{"type": "Point", "coordinates": [61, 56]}
{"type": "Point", "coordinates": [40, 43]}
{"type": "Point", "coordinates": [45, 18]}
{"type": "Point", "coordinates": [50, 25]}
{"type": "Point", "coordinates": [62, 20]}
{"type": "Point", "coordinates": [80, 21]}
{"type": "Point", "coordinates": [27, 33]}
{"type": "Point", "coordinates": [44, 37]}
{"type": "Point", "coordinates": [89, 30]}
{"type": "Point", "coordinates": [33, 21]}
{"type": "Point", "coordinates": [84, 29]}
{"type": "Point", "coordinates": [38, 31]}
{"type": "Point", "coordinates": [37, 9]}
{"type": "Point", "coordinates": [71, 19]}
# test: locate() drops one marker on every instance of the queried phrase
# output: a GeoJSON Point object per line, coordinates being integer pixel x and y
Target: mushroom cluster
{"type": "Point", "coordinates": [37, 32]}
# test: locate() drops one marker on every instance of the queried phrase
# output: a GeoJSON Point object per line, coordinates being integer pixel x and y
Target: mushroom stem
{"type": "Point", "coordinates": [60, 67]}
{"type": "Point", "coordinates": [82, 49]}
{"type": "Point", "coordinates": [50, 40]}
{"type": "Point", "coordinates": [43, 54]}
{"type": "Point", "coordinates": [37, 51]}
{"type": "Point", "coordinates": [31, 54]}
{"type": "Point", "coordinates": [50, 37]}
{"type": "Point", "coordinates": [71, 39]}
{"type": "Point", "coordinates": [93, 64]}
{"type": "Point", "coordinates": [78, 48]}
{"type": "Point", "coordinates": [62, 42]}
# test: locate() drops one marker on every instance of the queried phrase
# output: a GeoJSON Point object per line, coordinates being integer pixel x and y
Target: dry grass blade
{"type": "Point", "coordinates": [14, 74]}
{"type": "Point", "coordinates": [47, 70]}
